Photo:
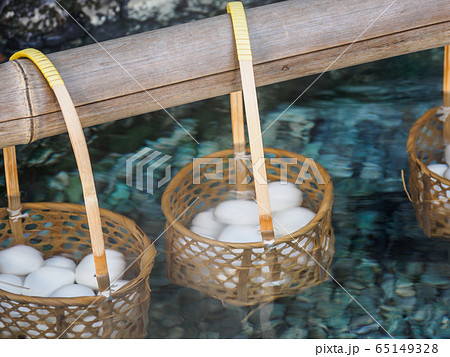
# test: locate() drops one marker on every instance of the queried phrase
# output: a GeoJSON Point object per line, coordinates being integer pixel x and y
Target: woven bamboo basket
{"type": "Point", "coordinates": [247, 273]}
{"type": "Point", "coordinates": [427, 139]}
{"type": "Point", "coordinates": [75, 231]}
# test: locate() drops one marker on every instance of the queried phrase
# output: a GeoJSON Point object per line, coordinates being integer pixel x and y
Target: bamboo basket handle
{"type": "Point", "coordinates": [13, 193]}
{"type": "Point", "coordinates": [237, 127]}
{"type": "Point", "coordinates": [446, 99]}
{"type": "Point", "coordinates": [236, 10]}
{"type": "Point", "coordinates": [237, 123]}
{"type": "Point", "coordinates": [80, 150]}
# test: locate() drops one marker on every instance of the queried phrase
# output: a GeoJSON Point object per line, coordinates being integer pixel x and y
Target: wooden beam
{"type": "Point", "coordinates": [197, 60]}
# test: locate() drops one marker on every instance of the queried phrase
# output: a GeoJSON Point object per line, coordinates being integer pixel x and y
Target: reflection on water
{"type": "Point", "coordinates": [355, 123]}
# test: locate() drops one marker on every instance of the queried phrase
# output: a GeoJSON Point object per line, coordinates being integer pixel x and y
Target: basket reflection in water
{"type": "Point", "coordinates": [247, 273]}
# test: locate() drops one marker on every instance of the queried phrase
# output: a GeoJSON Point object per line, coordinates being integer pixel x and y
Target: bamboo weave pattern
{"type": "Point", "coordinates": [430, 193]}
{"type": "Point", "coordinates": [241, 273]}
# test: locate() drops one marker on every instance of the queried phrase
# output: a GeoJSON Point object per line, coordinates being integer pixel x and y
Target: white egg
{"type": "Point", "coordinates": [257, 279]}
{"type": "Point", "coordinates": [114, 254]}
{"type": "Point", "coordinates": [60, 262]}
{"type": "Point", "coordinates": [85, 271]}
{"type": "Point", "coordinates": [444, 196]}
{"type": "Point", "coordinates": [438, 169]}
{"type": "Point", "coordinates": [20, 260]}
{"type": "Point", "coordinates": [262, 268]}
{"type": "Point", "coordinates": [72, 290]}
{"type": "Point", "coordinates": [118, 284]}
{"type": "Point", "coordinates": [291, 220]}
{"type": "Point", "coordinates": [237, 212]}
{"type": "Point", "coordinates": [11, 283]}
{"type": "Point", "coordinates": [447, 154]}
{"type": "Point", "coordinates": [240, 234]}
{"type": "Point", "coordinates": [303, 257]}
{"type": "Point", "coordinates": [206, 222]}
{"type": "Point", "coordinates": [205, 232]}
{"type": "Point", "coordinates": [45, 280]}
{"type": "Point", "coordinates": [447, 174]}
{"type": "Point", "coordinates": [284, 195]}
{"type": "Point", "coordinates": [227, 282]}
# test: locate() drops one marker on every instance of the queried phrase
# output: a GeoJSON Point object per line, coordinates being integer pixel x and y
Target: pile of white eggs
{"type": "Point", "coordinates": [24, 271]}
{"type": "Point", "coordinates": [237, 221]}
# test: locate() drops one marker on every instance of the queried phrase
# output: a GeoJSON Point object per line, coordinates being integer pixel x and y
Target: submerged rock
{"type": "Point", "coordinates": [435, 279]}
{"type": "Point", "coordinates": [294, 332]}
{"type": "Point", "coordinates": [317, 332]}
{"type": "Point", "coordinates": [404, 288]}
{"type": "Point", "coordinates": [363, 330]}
{"type": "Point", "coordinates": [176, 332]}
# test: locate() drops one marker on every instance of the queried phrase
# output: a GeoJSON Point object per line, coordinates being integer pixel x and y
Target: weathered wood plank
{"type": "Point", "coordinates": [195, 61]}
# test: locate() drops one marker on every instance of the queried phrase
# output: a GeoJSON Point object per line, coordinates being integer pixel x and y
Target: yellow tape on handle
{"type": "Point", "coordinates": [43, 63]}
{"type": "Point", "coordinates": [236, 10]}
